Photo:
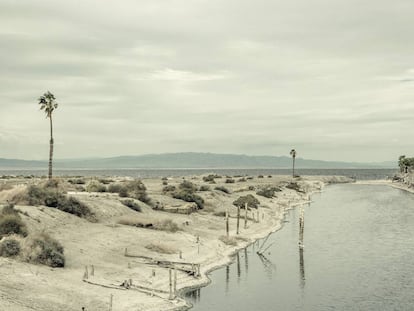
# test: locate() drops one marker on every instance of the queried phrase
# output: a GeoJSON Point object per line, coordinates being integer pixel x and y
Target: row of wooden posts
{"type": "Point", "coordinates": [238, 219]}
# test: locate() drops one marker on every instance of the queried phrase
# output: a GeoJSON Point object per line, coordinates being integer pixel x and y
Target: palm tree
{"type": "Point", "coordinates": [401, 163]}
{"type": "Point", "coordinates": [48, 103]}
{"type": "Point", "coordinates": [293, 154]}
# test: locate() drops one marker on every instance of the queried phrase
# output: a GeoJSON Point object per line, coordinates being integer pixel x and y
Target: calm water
{"type": "Point", "coordinates": [360, 174]}
{"type": "Point", "coordinates": [359, 255]}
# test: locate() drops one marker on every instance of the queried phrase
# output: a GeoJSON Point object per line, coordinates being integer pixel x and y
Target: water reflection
{"type": "Point", "coordinates": [301, 268]}
{"type": "Point", "coordinates": [238, 266]}
{"type": "Point", "coordinates": [268, 265]}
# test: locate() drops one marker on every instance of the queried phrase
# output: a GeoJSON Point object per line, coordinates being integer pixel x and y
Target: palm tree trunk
{"type": "Point", "coordinates": [51, 148]}
{"type": "Point", "coordinates": [293, 171]}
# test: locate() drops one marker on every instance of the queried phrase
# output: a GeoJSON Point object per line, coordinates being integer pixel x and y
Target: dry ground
{"type": "Point", "coordinates": [102, 244]}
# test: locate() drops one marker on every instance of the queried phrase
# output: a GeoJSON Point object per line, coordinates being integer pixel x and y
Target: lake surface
{"type": "Point", "coordinates": [359, 174]}
{"type": "Point", "coordinates": [358, 255]}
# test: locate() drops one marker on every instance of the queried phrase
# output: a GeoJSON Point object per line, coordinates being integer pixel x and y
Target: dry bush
{"type": "Point", "coordinates": [222, 189]}
{"type": "Point", "coordinates": [228, 240]}
{"type": "Point", "coordinates": [12, 224]}
{"type": "Point", "coordinates": [131, 204]}
{"type": "Point", "coordinates": [167, 225]}
{"type": "Point", "coordinates": [95, 186]}
{"type": "Point", "coordinates": [161, 248]}
{"type": "Point", "coordinates": [135, 222]}
{"type": "Point", "coordinates": [9, 247]}
{"type": "Point", "coordinates": [43, 249]}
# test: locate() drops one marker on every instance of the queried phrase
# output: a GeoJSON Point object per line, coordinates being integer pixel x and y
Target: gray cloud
{"type": "Point", "coordinates": [330, 78]}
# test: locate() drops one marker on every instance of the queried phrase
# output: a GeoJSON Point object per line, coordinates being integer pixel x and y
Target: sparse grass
{"type": "Point", "coordinates": [161, 248]}
{"type": "Point", "coordinates": [204, 188]}
{"type": "Point", "coordinates": [169, 188]}
{"type": "Point", "coordinates": [131, 204]}
{"type": "Point", "coordinates": [222, 189]}
{"type": "Point", "coordinates": [167, 225]}
{"type": "Point", "coordinates": [230, 181]}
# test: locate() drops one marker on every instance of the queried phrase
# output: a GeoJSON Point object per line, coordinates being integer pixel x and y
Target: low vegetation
{"type": "Point", "coordinates": [9, 247]}
{"type": "Point", "coordinates": [250, 200]}
{"type": "Point", "coordinates": [230, 181]}
{"type": "Point", "coordinates": [51, 196]}
{"type": "Point", "coordinates": [11, 222]}
{"type": "Point", "coordinates": [43, 249]}
{"type": "Point", "coordinates": [222, 189]}
{"type": "Point", "coordinates": [267, 191]}
{"type": "Point", "coordinates": [131, 204]}
{"type": "Point", "coordinates": [161, 248]}
{"type": "Point", "coordinates": [95, 186]}
{"type": "Point", "coordinates": [186, 192]}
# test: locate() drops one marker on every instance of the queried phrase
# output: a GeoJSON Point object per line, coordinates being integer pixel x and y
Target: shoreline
{"type": "Point", "coordinates": [106, 240]}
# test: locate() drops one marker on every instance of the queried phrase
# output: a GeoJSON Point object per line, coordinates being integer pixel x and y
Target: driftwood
{"type": "Point", "coordinates": [189, 268]}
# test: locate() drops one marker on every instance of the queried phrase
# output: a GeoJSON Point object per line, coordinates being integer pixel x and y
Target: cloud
{"type": "Point", "coordinates": [332, 78]}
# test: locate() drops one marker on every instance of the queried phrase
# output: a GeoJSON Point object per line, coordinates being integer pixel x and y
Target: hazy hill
{"type": "Point", "coordinates": [187, 160]}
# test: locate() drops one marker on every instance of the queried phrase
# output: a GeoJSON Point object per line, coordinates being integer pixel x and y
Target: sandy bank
{"type": "Point", "coordinates": [101, 246]}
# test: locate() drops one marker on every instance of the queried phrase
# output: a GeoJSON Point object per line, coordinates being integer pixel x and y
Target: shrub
{"type": "Point", "coordinates": [266, 192]}
{"type": "Point", "coordinates": [188, 196]}
{"type": "Point", "coordinates": [76, 181]}
{"type": "Point", "coordinates": [116, 188]}
{"type": "Point", "coordinates": [131, 204]}
{"type": "Point", "coordinates": [260, 176]}
{"type": "Point", "coordinates": [73, 206]}
{"type": "Point", "coordinates": [12, 224]}
{"type": "Point", "coordinates": [250, 200]}
{"type": "Point", "coordinates": [188, 185]}
{"type": "Point", "coordinates": [222, 189]}
{"type": "Point", "coordinates": [95, 186]}
{"type": "Point", "coordinates": [294, 186]}
{"type": "Point", "coordinates": [242, 179]}
{"type": "Point", "coordinates": [164, 183]}
{"type": "Point", "coordinates": [52, 197]}
{"type": "Point", "coordinates": [9, 248]}
{"type": "Point", "coordinates": [230, 181]}
{"type": "Point", "coordinates": [204, 188]}
{"type": "Point", "coordinates": [105, 181]}
{"type": "Point", "coordinates": [164, 178]}
{"type": "Point", "coordinates": [45, 250]}
{"type": "Point", "coordinates": [169, 188]}
{"type": "Point", "coordinates": [210, 178]}
{"type": "Point", "coordinates": [137, 190]}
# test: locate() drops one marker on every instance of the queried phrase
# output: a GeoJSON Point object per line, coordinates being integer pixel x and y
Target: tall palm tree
{"type": "Point", "coordinates": [48, 103]}
{"type": "Point", "coordinates": [293, 154]}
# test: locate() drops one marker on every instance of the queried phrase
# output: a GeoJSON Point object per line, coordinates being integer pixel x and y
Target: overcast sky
{"type": "Point", "coordinates": [332, 78]}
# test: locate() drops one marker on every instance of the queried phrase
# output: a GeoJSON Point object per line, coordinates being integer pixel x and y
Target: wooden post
{"type": "Point", "coordinates": [170, 275]}
{"type": "Point", "coordinates": [92, 270]}
{"type": "Point", "coordinates": [227, 222]}
{"type": "Point", "coordinates": [175, 282]}
{"type": "Point", "coordinates": [245, 216]}
{"type": "Point", "coordinates": [181, 255]}
{"type": "Point", "coordinates": [301, 226]}
{"type": "Point", "coordinates": [238, 219]}
{"type": "Point", "coordinates": [126, 251]}
{"type": "Point", "coordinates": [258, 218]}
{"type": "Point", "coordinates": [110, 302]}
{"type": "Point", "coordinates": [86, 275]}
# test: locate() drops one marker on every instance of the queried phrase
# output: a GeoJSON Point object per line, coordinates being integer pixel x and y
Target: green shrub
{"type": "Point", "coordinates": [188, 186]}
{"type": "Point", "coordinates": [250, 200]}
{"type": "Point", "coordinates": [52, 197]}
{"type": "Point", "coordinates": [137, 190]}
{"type": "Point", "coordinates": [169, 188]}
{"type": "Point", "coordinates": [230, 181]}
{"type": "Point", "coordinates": [260, 176]}
{"type": "Point", "coordinates": [73, 206]}
{"type": "Point", "coordinates": [204, 188]}
{"type": "Point", "coordinates": [164, 183]}
{"type": "Point", "coordinates": [222, 189]}
{"type": "Point", "coordinates": [188, 196]}
{"type": "Point", "coordinates": [267, 192]}
{"type": "Point", "coordinates": [131, 204]}
{"type": "Point", "coordinates": [9, 248]}
{"type": "Point", "coordinates": [46, 250]}
{"type": "Point", "coordinates": [95, 186]}
{"type": "Point", "coordinates": [210, 178]}
{"type": "Point", "coordinates": [12, 224]}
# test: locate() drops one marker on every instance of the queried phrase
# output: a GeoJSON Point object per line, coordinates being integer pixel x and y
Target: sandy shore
{"type": "Point", "coordinates": [397, 185]}
{"type": "Point", "coordinates": [113, 253]}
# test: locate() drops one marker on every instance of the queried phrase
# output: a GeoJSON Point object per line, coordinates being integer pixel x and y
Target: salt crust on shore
{"type": "Point", "coordinates": [25, 287]}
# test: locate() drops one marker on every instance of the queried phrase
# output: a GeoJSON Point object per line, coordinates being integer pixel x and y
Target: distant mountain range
{"type": "Point", "coordinates": [187, 160]}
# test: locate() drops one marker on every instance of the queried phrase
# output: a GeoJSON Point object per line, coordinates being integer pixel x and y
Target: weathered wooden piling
{"type": "Point", "coordinates": [227, 222]}
{"type": "Point", "coordinates": [238, 219]}
{"type": "Point", "coordinates": [301, 226]}
{"type": "Point", "coordinates": [245, 216]}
